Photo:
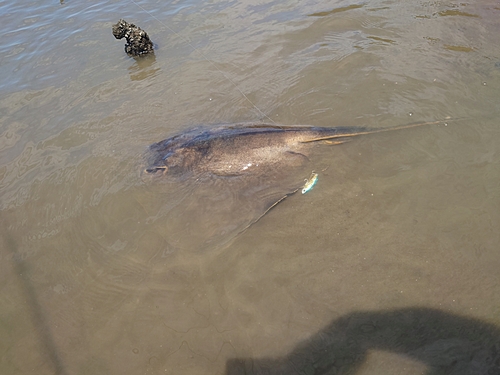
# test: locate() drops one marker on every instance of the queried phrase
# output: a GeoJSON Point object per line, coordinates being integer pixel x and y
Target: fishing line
{"type": "Point", "coordinates": [206, 58]}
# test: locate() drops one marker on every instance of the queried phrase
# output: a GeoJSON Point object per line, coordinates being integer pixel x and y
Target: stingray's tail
{"type": "Point", "coordinates": [355, 131]}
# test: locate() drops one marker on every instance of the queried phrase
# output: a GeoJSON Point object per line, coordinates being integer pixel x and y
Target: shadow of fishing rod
{"type": "Point", "coordinates": [42, 329]}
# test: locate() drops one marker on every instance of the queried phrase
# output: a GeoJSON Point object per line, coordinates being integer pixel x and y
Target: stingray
{"type": "Point", "coordinates": [232, 175]}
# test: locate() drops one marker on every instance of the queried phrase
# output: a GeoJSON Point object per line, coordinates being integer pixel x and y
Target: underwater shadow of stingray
{"type": "Point", "coordinates": [233, 174]}
{"type": "Point", "coordinates": [445, 343]}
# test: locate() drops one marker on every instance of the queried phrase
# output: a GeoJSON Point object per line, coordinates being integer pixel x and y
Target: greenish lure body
{"type": "Point", "coordinates": [310, 182]}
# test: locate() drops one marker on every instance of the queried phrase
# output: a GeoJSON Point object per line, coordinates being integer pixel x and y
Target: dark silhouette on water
{"type": "Point", "coordinates": [445, 343]}
{"type": "Point", "coordinates": [41, 327]}
{"type": "Point", "coordinates": [138, 42]}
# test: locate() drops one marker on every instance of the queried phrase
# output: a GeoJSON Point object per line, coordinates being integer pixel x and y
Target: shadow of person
{"type": "Point", "coordinates": [444, 343]}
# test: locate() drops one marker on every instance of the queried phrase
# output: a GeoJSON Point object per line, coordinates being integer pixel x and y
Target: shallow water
{"type": "Point", "coordinates": [91, 279]}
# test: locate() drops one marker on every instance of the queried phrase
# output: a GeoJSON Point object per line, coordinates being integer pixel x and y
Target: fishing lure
{"type": "Point", "coordinates": [310, 182]}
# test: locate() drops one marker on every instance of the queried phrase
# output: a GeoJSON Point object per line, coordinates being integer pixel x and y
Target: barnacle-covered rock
{"type": "Point", "coordinates": [138, 42]}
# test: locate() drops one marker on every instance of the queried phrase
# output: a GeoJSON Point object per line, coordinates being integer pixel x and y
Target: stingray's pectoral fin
{"type": "Point", "coordinates": [269, 208]}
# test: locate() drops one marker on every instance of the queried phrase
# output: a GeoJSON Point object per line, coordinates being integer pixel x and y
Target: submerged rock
{"type": "Point", "coordinates": [138, 42]}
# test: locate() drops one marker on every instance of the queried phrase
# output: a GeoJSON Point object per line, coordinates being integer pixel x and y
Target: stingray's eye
{"type": "Point", "coordinates": [156, 169]}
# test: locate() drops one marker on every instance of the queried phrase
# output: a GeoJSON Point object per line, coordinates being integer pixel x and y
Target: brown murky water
{"type": "Point", "coordinates": [389, 265]}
